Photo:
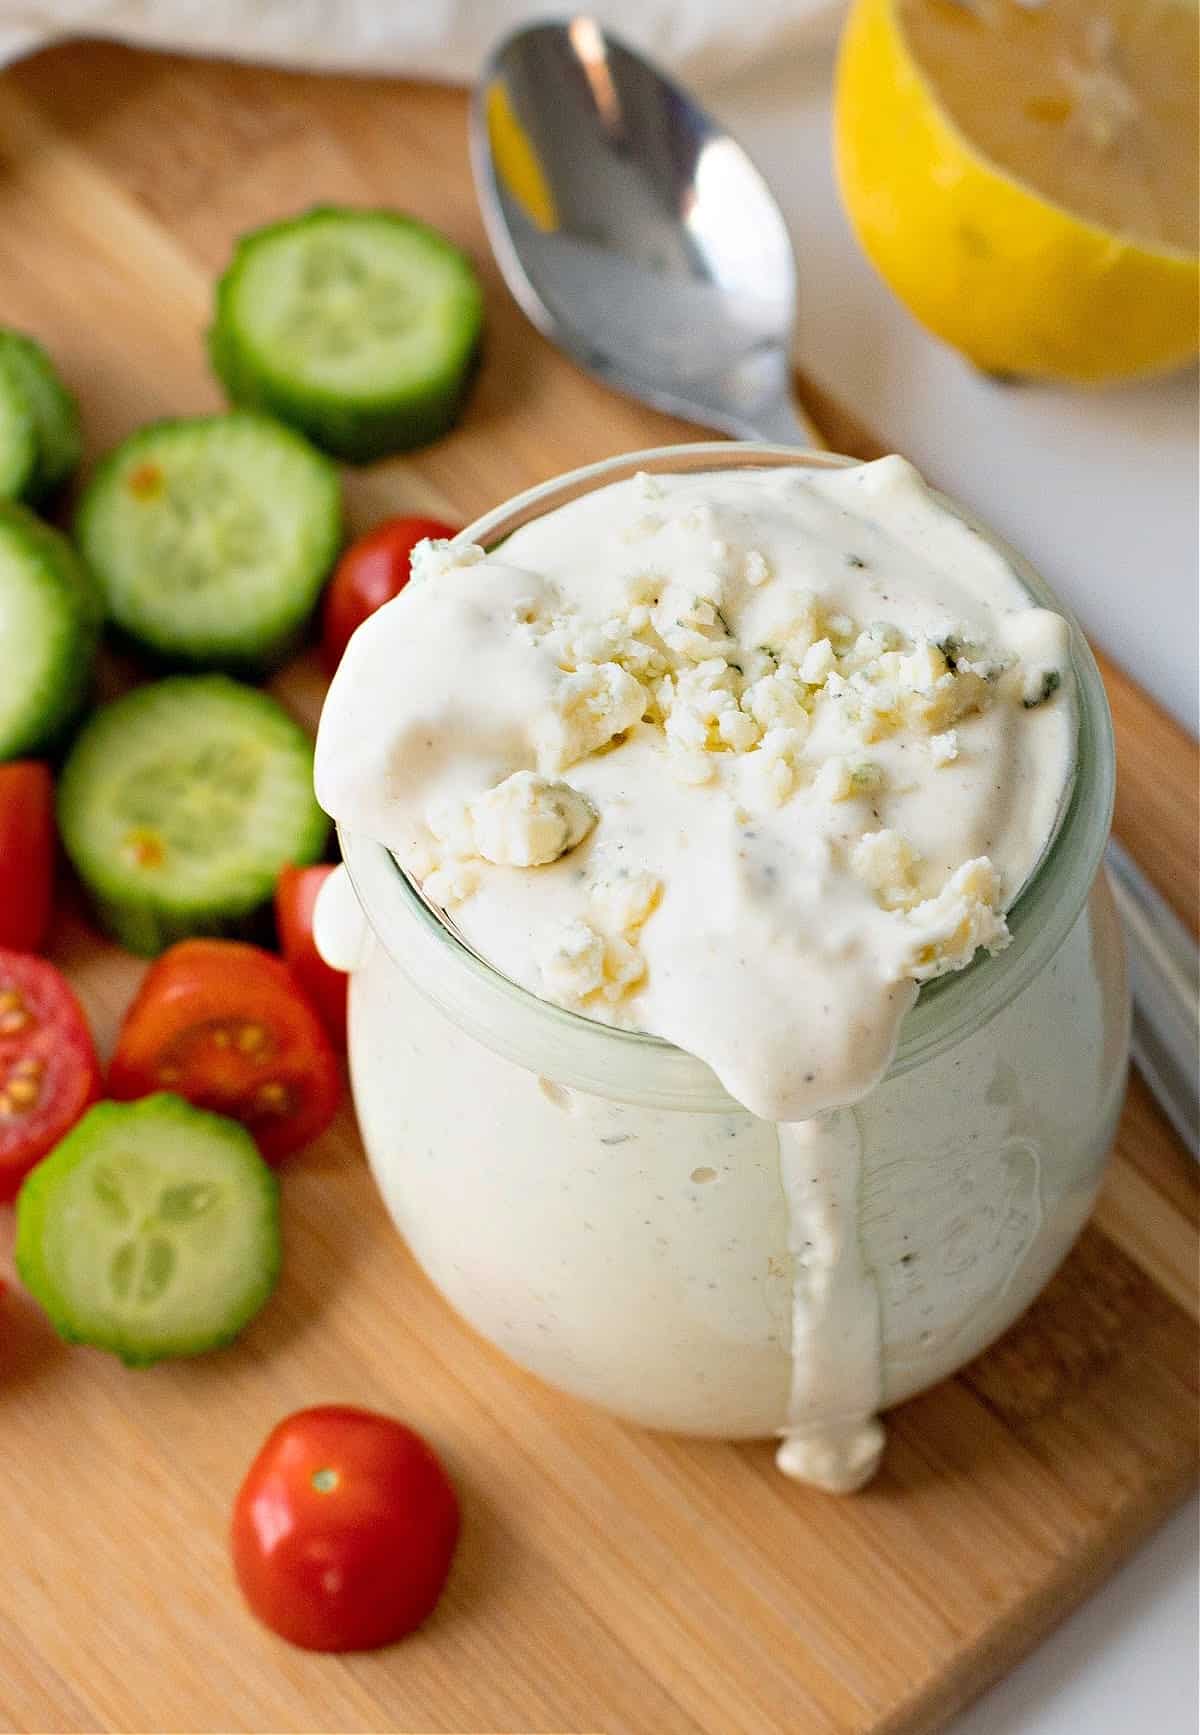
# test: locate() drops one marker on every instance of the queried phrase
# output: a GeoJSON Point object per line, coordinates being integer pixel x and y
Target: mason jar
{"type": "Point", "coordinates": [592, 1201]}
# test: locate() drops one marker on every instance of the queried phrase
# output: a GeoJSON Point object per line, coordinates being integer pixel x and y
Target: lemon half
{"type": "Point", "coordinates": [1024, 176]}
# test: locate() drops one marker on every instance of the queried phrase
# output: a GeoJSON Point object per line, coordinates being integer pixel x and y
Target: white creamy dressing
{"type": "Point", "coordinates": [834, 1439]}
{"type": "Point", "coordinates": [738, 759]}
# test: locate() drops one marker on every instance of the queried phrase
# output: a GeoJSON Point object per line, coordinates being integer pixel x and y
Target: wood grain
{"type": "Point", "coordinates": [608, 1579]}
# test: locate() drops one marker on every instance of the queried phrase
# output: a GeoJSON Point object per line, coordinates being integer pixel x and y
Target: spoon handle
{"type": "Point", "coordinates": [1163, 974]}
{"type": "Point", "coordinates": [782, 423]}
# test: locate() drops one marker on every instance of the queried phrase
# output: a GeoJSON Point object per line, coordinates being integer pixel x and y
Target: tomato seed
{"type": "Point", "coordinates": [251, 1037]}
{"type": "Point", "coordinates": [273, 1098]}
{"type": "Point", "coordinates": [24, 1086]}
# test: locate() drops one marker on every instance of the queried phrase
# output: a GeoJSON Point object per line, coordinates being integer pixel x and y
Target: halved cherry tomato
{"type": "Point", "coordinates": [226, 1026]}
{"type": "Point", "coordinates": [371, 572]}
{"type": "Point", "coordinates": [344, 1530]}
{"type": "Point", "coordinates": [26, 854]}
{"type": "Point", "coordinates": [295, 894]}
{"type": "Point", "coordinates": [49, 1073]}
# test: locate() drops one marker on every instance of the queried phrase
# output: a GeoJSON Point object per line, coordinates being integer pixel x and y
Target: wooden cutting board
{"type": "Point", "coordinates": [608, 1579]}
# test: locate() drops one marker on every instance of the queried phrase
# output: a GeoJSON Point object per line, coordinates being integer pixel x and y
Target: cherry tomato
{"type": "Point", "coordinates": [344, 1530]}
{"type": "Point", "coordinates": [49, 1073]}
{"type": "Point", "coordinates": [371, 572]}
{"type": "Point", "coordinates": [295, 895]}
{"type": "Point", "coordinates": [226, 1026]}
{"type": "Point", "coordinates": [26, 854]}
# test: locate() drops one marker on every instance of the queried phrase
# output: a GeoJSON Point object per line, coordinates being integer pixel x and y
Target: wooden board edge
{"type": "Point", "coordinates": [1014, 1637]}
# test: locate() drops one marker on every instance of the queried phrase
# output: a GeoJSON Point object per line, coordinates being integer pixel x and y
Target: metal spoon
{"type": "Point", "coordinates": [639, 237]}
{"type": "Point", "coordinates": [635, 232]}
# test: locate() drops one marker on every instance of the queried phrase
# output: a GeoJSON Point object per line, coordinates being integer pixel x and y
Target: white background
{"type": "Point", "coordinates": [1100, 491]}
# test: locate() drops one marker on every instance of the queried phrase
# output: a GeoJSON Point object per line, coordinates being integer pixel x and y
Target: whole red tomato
{"type": "Point", "coordinates": [26, 854]}
{"type": "Point", "coordinates": [344, 1530]}
{"type": "Point", "coordinates": [295, 895]}
{"type": "Point", "coordinates": [371, 572]}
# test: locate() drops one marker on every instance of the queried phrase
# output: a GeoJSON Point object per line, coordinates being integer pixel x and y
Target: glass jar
{"type": "Point", "coordinates": [595, 1204]}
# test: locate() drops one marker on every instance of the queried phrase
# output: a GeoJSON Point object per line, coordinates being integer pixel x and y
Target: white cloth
{"type": "Point", "coordinates": [704, 40]}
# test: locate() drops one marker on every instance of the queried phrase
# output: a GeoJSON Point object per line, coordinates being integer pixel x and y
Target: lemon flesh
{"type": "Point", "coordinates": [1025, 176]}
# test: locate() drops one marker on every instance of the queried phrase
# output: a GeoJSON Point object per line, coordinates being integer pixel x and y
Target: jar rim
{"type": "Point", "coordinates": [589, 1053]}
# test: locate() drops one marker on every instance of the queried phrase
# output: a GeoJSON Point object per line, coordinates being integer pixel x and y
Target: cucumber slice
{"type": "Point", "coordinates": [361, 327]}
{"type": "Point", "coordinates": [18, 437]}
{"type": "Point", "coordinates": [58, 439]}
{"type": "Point", "coordinates": [151, 1230]}
{"type": "Point", "coordinates": [211, 537]}
{"type": "Point", "coordinates": [49, 624]}
{"type": "Point", "coordinates": [181, 803]}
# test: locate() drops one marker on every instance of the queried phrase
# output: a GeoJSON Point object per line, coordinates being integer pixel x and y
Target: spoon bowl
{"type": "Point", "coordinates": [635, 232]}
